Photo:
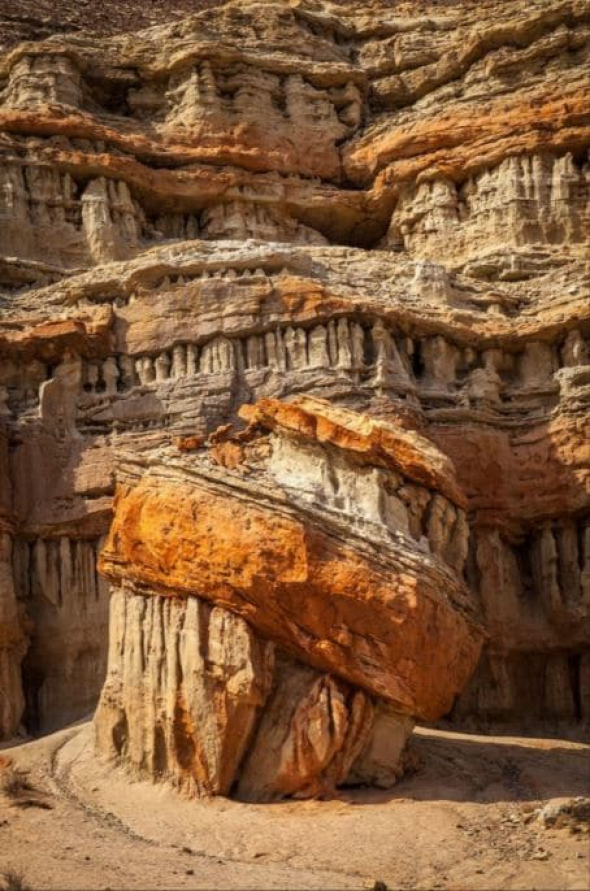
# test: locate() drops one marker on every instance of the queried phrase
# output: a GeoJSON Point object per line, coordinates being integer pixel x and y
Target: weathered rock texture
{"type": "Point", "coordinates": [303, 534]}
{"type": "Point", "coordinates": [388, 209]}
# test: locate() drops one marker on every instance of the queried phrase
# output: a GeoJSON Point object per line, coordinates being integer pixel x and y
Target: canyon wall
{"type": "Point", "coordinates": [385, 209]}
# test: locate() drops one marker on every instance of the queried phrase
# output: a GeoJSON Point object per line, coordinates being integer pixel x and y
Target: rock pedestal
{"type": "Point", "coordinates": [276, 627]}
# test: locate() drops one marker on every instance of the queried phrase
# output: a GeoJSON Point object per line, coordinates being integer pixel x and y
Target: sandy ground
{"type": "Point", "coordinates": [464, 820]}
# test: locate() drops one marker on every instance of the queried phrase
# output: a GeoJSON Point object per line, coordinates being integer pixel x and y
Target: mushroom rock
{"type": "Point", "coordinates": [293, 598]}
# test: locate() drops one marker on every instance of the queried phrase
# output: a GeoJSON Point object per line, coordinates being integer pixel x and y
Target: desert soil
{"type": "Point", "coordinates": [464, 819]}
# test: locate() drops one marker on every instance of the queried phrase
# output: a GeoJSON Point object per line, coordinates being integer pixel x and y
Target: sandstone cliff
{"type": "Point", "coordinates": [387, 209]}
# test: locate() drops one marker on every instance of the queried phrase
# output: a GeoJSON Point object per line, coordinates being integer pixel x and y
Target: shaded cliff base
{"type": "Point", "coordinates": [464, 819]}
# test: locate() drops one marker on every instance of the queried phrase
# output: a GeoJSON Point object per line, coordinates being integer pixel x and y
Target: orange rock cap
{"type": "Point", "coordinates": [368, 440]}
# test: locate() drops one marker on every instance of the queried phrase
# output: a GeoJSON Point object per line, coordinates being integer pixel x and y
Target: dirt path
{"type": "Point", "coordinates": [462, 821]}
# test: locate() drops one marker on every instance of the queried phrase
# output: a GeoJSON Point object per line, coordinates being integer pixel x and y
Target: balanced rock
{"type": "Point", "coordinates": [297, 534]}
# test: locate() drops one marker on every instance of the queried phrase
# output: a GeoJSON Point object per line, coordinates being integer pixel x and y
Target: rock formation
{"type": "Point", "coordinates": [296, 534]}
{"type": "Point", "coordinates": [388, 210]}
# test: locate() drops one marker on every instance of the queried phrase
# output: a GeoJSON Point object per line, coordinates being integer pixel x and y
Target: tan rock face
{"type": "Point", "coordinates": [194, 697]}
{"type": "Point", "coordinates": [184, 686]}
{"type": "Point", "coordinates": [312, 732]}
{"type": "Point", "coordinates": [259, 202]}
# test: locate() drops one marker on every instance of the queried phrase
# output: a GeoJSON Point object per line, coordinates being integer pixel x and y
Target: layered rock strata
{"type": "Point", "coordinates": [388, 210]}
{"type": "Point", "coordinates": [296, 534]}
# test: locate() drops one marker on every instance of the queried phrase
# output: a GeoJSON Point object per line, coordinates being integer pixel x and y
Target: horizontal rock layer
{"type": "Point", "coordinates": [384, 208]}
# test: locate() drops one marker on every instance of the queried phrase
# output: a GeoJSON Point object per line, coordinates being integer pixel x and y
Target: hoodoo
{"type": "Point", "coordinates": [295, 373]}
{"type": "Point", "coordinates": [280, 595]}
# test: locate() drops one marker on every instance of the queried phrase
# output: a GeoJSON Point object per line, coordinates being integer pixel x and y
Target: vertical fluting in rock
{"type": "Point", "coordinates": [261, 201]}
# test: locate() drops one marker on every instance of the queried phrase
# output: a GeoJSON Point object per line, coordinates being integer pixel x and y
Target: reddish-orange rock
{"type": "Point", "coordinates": [450, 146]}
{"type": "Point", "coordinates": [49, 341]}
{"type": "Point", "coordinates": [368, 440]}
{"type": "Point", "coordinates": [390, 632]}
{"type": "Point", "coordinates": [522, 475]}
{"type": "Point", "coordinates": [371, 606]}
